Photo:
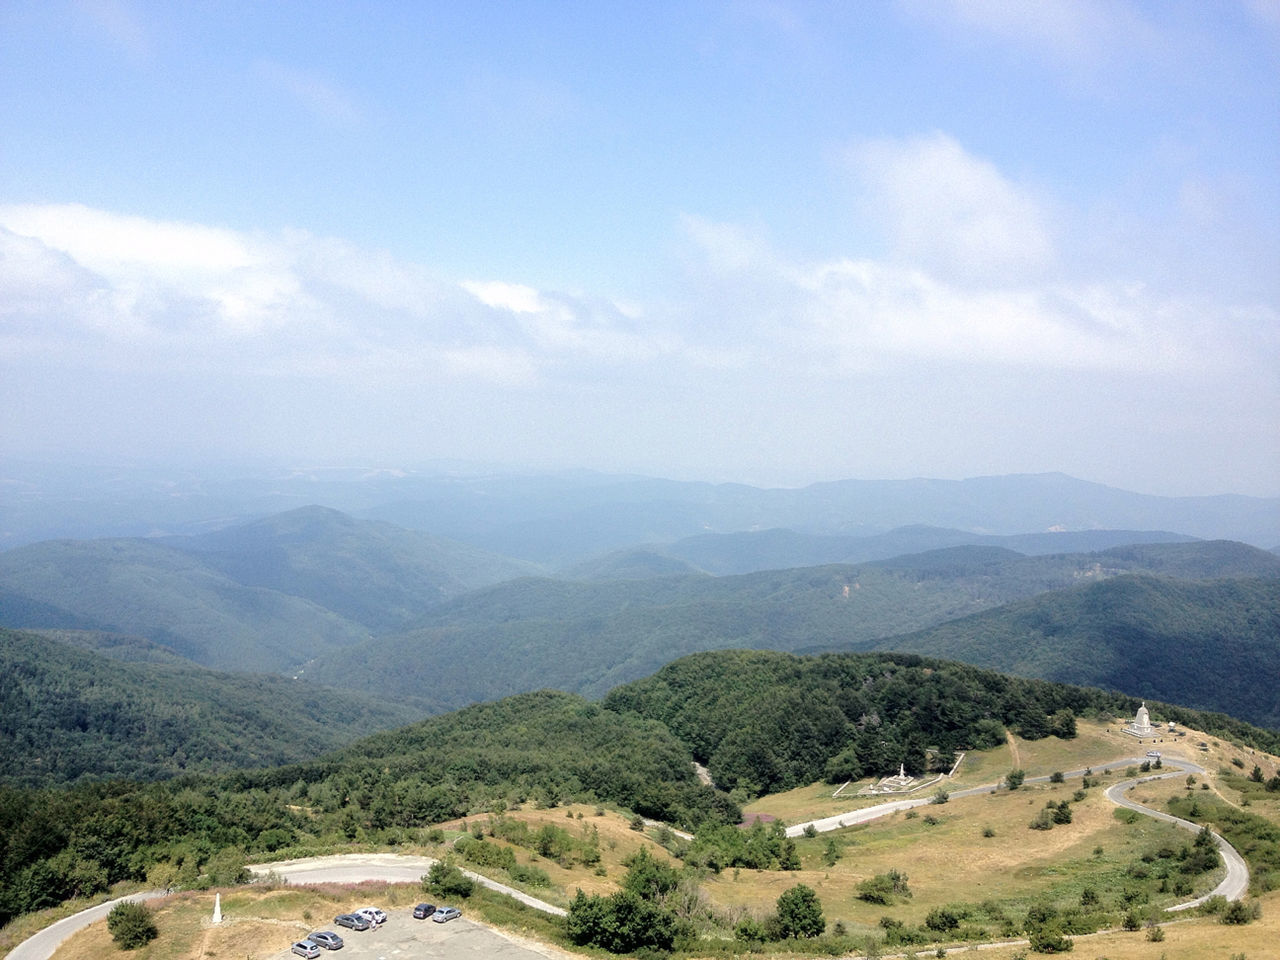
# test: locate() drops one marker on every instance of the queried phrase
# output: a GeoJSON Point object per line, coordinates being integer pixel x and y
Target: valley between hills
{"type": "Point", "coordinates": [524, 691]}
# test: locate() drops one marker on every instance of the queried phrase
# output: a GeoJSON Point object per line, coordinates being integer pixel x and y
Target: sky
{"type": "Point", "coordinates": [754, 241]}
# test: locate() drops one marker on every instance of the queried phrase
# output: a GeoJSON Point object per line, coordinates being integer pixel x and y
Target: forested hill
{"type": "Point", "coordinates": [375, 574]}
{"type": "Point", "coordinates": [760, 719]}
{"type": "Point", "coordinates": [768, 721]}
{"type": "Point", "coordinates": [588, 637]}
{"type": "Point", "coordinates": [1211, 645]}
{"type": "Point", "coordinates": [267, 596]}
{"type": "Point", "coordinates": [67, 712]}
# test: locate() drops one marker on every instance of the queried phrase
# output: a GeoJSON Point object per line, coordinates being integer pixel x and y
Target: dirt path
{"type": "Point", "coordinates": [1013, 749]}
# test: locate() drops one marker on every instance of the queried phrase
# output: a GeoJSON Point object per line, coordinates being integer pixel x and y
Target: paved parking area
{"type": "Point", "coordinates": [404, 938]}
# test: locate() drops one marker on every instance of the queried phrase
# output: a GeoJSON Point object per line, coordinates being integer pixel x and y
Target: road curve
{"type": "Point", "coordinates": [1233, 886]}
{"type": "Point", "coordinates": [41, 946]}
{"type": "Point", "coordinates": [389, 867]}
{"type": "Point", "coordinates": [893, 806]}
{"type": "Point", "coordinates": [397, 868]}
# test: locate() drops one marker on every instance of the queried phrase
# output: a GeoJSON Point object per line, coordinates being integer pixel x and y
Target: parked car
{"type": "Point", "coordinates": [326, 939]}
{"type": "Point", "coordinates": [423, 910]}
{"type": "Point", "coordinates": [445, 914]}
{"type": "Point", "coordinates": [352, 920]}
{"type": "Point", "coordinates": [305, 948]}
{"type": "Point", "coordinates": [373, 915]}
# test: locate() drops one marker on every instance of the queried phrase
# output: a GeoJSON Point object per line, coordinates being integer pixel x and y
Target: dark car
{"type": "Point", "coordinates": [423, 910]}
{"type": "Point", "coordinates": [352, 920]}
{"type": "Point", "coordinates": [326, 939]}
{"type": "Point", "coordinates": [445, 914]}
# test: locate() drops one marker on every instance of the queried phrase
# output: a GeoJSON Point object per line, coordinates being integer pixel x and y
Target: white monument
{"type": "Point", "coordinates": [1141, 726]}
{"type": "Point", "coordinates": [217, 908]}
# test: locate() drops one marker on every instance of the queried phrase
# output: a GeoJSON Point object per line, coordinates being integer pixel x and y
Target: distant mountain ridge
{"type": "Point", "coordinates": [746, 552]}
{"type": "Point", "coordinates": [267, 596]}
{"type": "Point", "coordinates": [561, 519]}
{"type": "Point", "coordinates": [585, 637]}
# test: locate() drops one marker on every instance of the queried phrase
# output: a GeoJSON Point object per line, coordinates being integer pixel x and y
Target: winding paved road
{"type": "Point", "coordinates": [1233, 885]}
{"type": "Point", "coordinates": [390, 867]}
{"type": "Point", "coordinates": [395, 868]}
{"type": "Point", "coordinates": [40, 946]}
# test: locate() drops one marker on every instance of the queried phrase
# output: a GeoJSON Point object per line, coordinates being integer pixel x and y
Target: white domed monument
{"type": "Point", "coordinates": [1141, 726]}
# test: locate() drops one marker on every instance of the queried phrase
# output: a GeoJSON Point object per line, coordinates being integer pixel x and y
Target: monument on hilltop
{"type": "Point", "coordinates": [1141, 725]}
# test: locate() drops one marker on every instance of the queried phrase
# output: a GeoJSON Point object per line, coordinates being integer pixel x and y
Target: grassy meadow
{"type": "Point", "coordinates": [975, 855]}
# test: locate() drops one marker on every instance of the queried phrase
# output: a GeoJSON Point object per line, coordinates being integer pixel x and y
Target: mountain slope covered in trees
{"type": "Point", "coordinates": [376, 574]}
{"type": "Point", "coordinates": [761, 719]}
{"type": "Point", "coordinates": [68, 712]}
{"type": "Point", "coordinates": [588, 637]}
{"type": "Point", "coordinates": [267, 596]}
{"type": "Point", "coordinates": [1212, 645]}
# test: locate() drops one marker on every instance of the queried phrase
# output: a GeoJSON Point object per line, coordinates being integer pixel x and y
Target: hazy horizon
{"type": "Point", "coordinates": [751, 241]}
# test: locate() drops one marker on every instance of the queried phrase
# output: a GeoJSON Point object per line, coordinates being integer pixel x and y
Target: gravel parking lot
{"type": "Point", "coordinates": [404, 937]}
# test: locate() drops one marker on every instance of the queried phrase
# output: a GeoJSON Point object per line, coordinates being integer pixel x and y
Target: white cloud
{"type": "Point", "coordinates": [846, 315]}
{"type": "Point", "coordinates": [282, 305]}
{"type": "Point", "coordinates": [951, 212]}
{"type": "Point", "coordinates": [506, 296]}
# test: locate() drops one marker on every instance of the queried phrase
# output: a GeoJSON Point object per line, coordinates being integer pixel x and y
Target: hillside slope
{"type": "Point", "coordinates": [1213, 645]}
{"type": "Point", "coordinates": [154, 591]}
{"type": "Point", "coordinates": [67, 713]}
{"type": "Point", "coordinates": [588, 637]}
{"type": "Point", "coordinates": [266, 596]}
{"type": "Point", "coordinates": [375, 574]}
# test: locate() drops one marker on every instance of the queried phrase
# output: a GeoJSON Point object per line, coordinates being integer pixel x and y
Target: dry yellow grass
{"type": "Point", "coordinates": [616, 842]}
{"type": "Point", "coordinates": [952, 861]}
{"type": "Point", "coordinates": [946, 863]}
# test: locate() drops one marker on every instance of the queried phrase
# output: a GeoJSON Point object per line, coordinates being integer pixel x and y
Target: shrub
{"type": "Point", "coordinates": [1013, 779]}
{"type": "Point", "coordinates": [800, 913]}
{"type": "Point", "coordinates": [447, 881]}
{"type": "Point", "coordinates": [131, 925]}
{"type": "Point", "coordinates": [883, 887]}
{"type": "Point", "coordinates": [749, 930]}
{"type": "Point", "coordinates": [1057, 777]}
{"type": "Point", "coordinates": [941, 920]}
{"type": "Point", "coordinates": [1050, 940]}
{"type": "Point", "coordinates": [622, 923]}
{"type": "Point", "coordinates": [1237, 912]}
{"type": "Point", "coordinates": [530, 876]}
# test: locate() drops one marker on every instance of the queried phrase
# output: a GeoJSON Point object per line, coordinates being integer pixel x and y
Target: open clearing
{"type": "Point", "coordinates": [947, 861]}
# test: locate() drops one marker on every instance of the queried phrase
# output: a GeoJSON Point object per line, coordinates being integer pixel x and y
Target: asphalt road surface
{"type": "Point", "coordinates": [40, 946]}
{"type": "Point", "coordinates": [1233, 886]}
{"type": "Point", "coordinates": [464, 939]}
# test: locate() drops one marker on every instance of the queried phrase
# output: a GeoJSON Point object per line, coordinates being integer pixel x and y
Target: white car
{"type": "Point", "coordinates": [373, 915]}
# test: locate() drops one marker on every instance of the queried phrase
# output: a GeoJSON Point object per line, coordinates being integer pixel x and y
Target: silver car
{"type": "Point", "coordinates": [445, 914]}
{"type": "Point", "coordinates": [305, 948]}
